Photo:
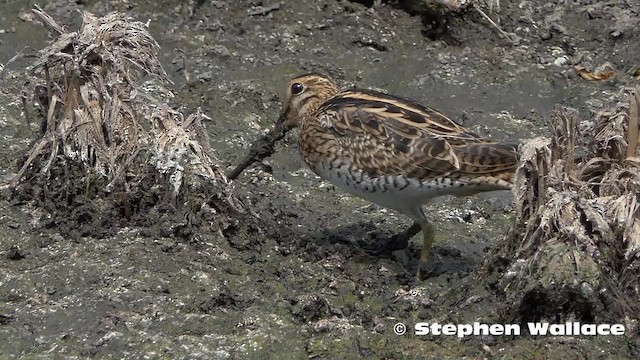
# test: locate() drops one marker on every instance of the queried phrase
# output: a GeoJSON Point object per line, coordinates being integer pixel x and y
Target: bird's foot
{"type": "Point", "coordinates": [429, 269]}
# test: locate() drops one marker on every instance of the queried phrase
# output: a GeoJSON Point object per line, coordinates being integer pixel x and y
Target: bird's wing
{"type": "Point", "coordinates": [387, 135]}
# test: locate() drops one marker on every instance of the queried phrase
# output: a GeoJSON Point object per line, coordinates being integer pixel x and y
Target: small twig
{"type": "Point", "coordinates": [14, 58]}
{"type": "Point", "coordinates": [53, 102]}
{"type": "Point", "coordinates": [37, 150]}
{"type": "Point", "coordinates": [25, 108]}
{"type": "Point", "coordinates": [260, 149]}
{"type": "Point", "coordinates": [48, 21]}
{"type": "Point", "coordinates": [502, 32]}
{"type": "Point", "coordinates": [48, 80]}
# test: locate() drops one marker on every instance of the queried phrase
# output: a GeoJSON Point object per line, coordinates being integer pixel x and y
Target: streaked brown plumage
{"type": "Point", "coordinates": [391, 151]}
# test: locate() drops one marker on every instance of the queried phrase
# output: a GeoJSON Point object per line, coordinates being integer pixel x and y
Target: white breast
{"type": "Point", "coordinates": [394, 192]}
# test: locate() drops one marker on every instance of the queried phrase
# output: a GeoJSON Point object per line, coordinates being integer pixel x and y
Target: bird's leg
{"type": "Point", "coordinates": [401, 240]}
{"type": "Point", "coordinates": [429, 234]}
{"type": "Point", "coordinates": [398, 241]}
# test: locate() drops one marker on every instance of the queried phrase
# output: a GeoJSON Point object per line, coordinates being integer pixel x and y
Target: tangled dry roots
{"type": "Point", "coordinates": [577, 235]}
{"type": "Point", "coordinates": [104, 133]}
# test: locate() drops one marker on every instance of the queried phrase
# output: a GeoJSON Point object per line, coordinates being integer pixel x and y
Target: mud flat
{"type": "Point", "coordinates": [289, 275]}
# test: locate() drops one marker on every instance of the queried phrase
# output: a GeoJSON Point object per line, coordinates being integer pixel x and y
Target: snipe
{"type": "Point", "coordinates": [392, 151]}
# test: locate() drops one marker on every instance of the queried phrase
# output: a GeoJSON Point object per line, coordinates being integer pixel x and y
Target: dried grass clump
{"type": "Point", "coordinates": [105, 133]}
{"type": "Point", "coordinates": [577, 235]}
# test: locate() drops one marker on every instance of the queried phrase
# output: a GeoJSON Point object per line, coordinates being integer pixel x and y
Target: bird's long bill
{"type": "Point", "coordinates": [282, 118]}
{"type": "Point", "coordinates": [284, 122]}
{"type": "Point", "coordinates": [281, 127]}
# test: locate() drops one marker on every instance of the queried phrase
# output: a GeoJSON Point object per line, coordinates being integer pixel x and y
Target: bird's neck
{"type": "Point", "coordinates": [313, 103]}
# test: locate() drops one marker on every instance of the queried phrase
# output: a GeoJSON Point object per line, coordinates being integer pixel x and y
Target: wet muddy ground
{"type": "Point", "coordinates": [295, 280]}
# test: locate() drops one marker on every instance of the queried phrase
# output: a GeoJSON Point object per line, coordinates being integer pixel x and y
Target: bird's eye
{"type": "Point", "coordinates": [296, 88]}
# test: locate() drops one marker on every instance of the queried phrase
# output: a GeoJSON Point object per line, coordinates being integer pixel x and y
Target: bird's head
{"type": "Point", "coordinates": [305, 94]}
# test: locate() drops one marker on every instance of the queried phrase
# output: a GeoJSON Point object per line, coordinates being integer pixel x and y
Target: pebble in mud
{"type": "Point", "coordinates": [14, 253]}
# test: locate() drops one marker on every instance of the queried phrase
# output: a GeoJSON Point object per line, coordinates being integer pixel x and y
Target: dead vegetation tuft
{"type": "Point", "coordinates": [105, 134]}
{"type": "Point", "coordinates": [577, 235]}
